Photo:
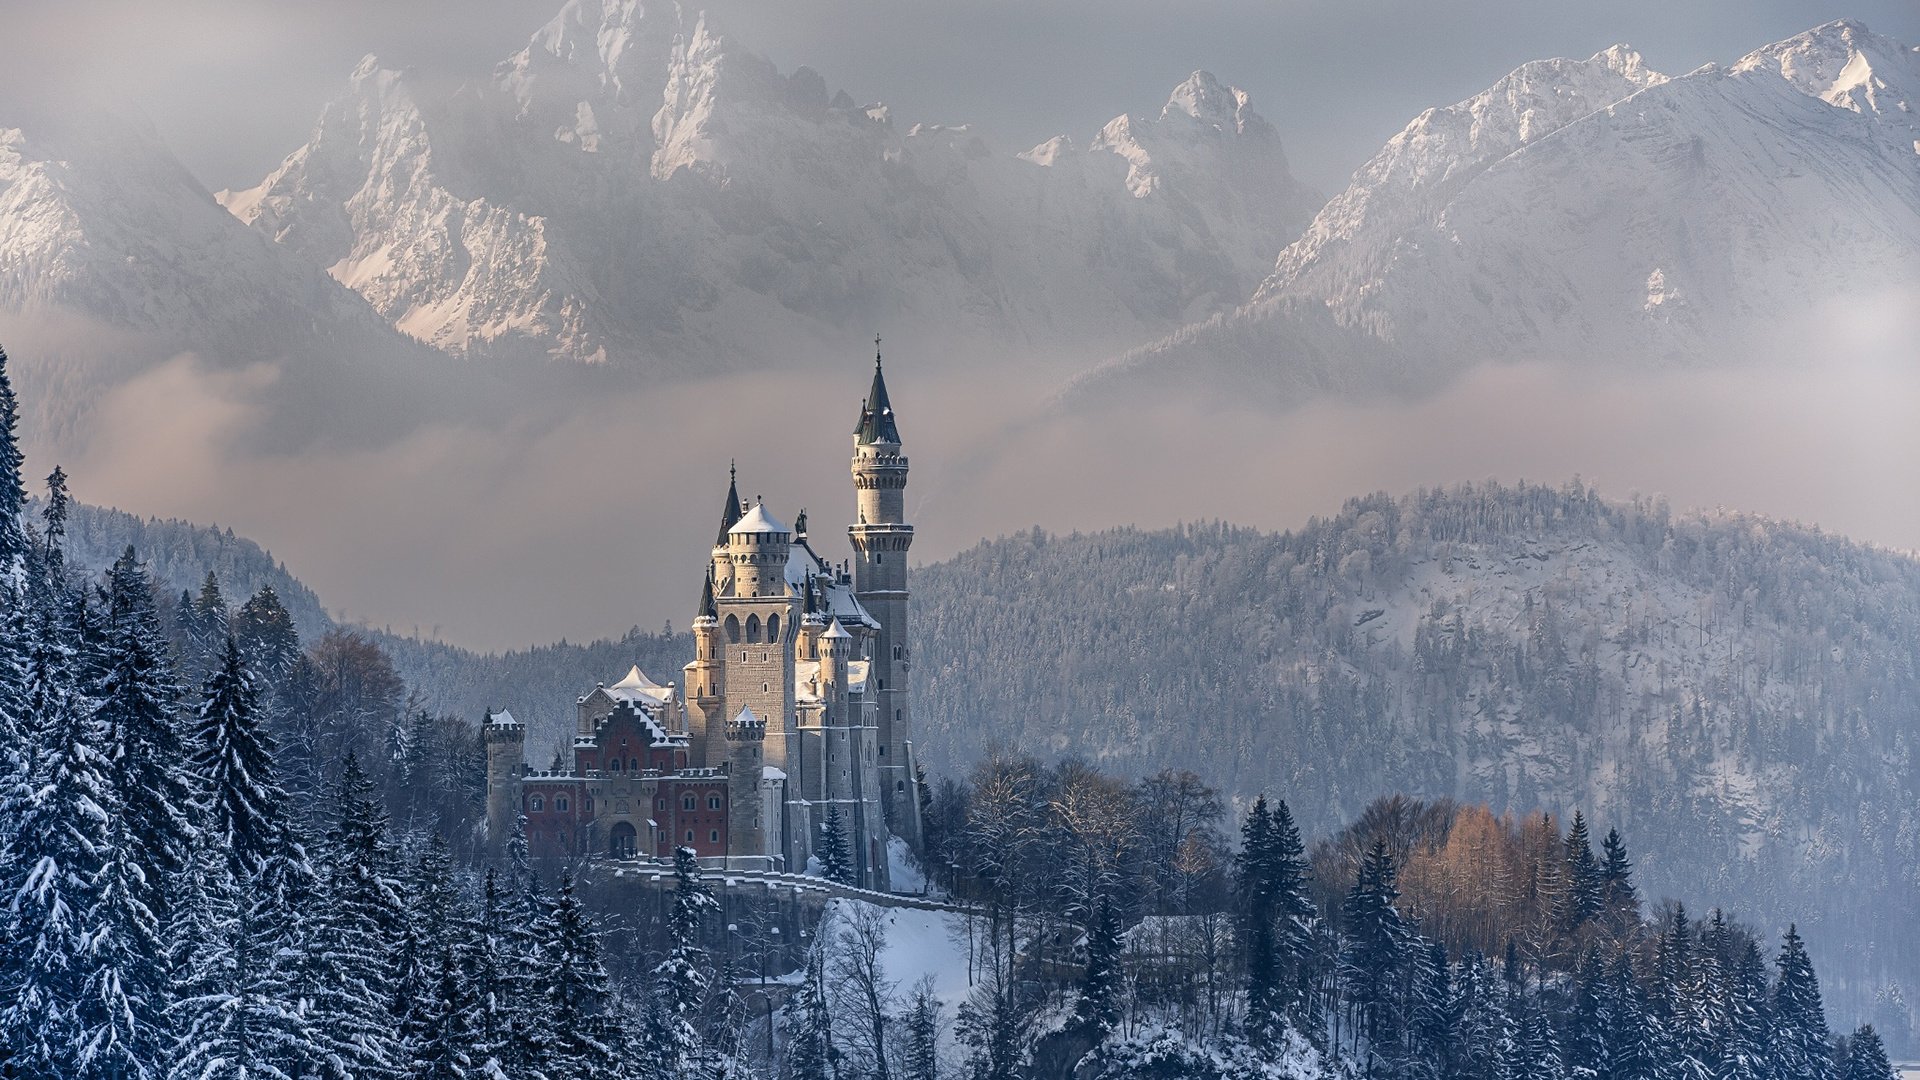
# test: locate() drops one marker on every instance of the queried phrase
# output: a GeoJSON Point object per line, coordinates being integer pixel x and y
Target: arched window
{"type": "Point", "coordinates": [713, 802]}
{"type": "Point", "coordinates": [713, 836]}
{"type": "Point", "coordinates": [660, 804]}
{"type": "Point", "coordinates": [536, 803]}
{"type": "Point", "coordinates": [733, 628]}
{"type": "Point", "coordinates": [773, 628]}
{"type": "Point", "coordinates": [560, 803]}
{"type": "Point", "coordinates": [614, 765]}
{"type": "Point", "coordinates": [686, 803]}
{"type": "Point", "coordinates": [899, 785]}
{"type": "Point", "coordinates": [753, 629]}
{"type": "Point", "coordinates": [689, 836]}
{"type": "Point", "coordinates": [633, 764]}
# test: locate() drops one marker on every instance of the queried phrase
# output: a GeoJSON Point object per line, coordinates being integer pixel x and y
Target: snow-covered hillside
{"type": "Point", "coordinates": [1599, 212]}
{"type": "Point", "coordinates": [636, 186]}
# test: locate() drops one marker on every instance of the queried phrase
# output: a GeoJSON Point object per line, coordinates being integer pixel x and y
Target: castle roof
{"type": "Point", "coordinates": [730, 510]}
{"type": "Point", "coordinates": [757, 520]}
{"type": "Point", "coordinates": [503, 718]}
{"type": "Point", "coordinates": [837, 632]}
{"type": "Point", "coordinates": [831, 597]}
{"type": "Point", "coordinates": [876, 413]}
{"type": "Point", "coordinates": [745, 716]}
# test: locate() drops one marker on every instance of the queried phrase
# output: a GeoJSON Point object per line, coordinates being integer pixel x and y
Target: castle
{"type": "Point", "coordinates": [794, 710]}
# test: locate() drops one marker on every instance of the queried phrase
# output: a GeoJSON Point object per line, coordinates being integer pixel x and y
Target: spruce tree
{"type": "Point", "coordinates": [147, 760]}
{"type": "Point", "coordinates": [52, 1017]}
{"type": "Point", "coordinates": [1376, 951]}
{"type": "Point", "coordinates": [1584, 1043]}
{"type": "Point", "coordinates": [681, 982]}
{"type": "Point", "coordinates": [1096, 1009]}
{"type": "Point", "coordinates": [836, 850]}
{"type": "Point", "coordinates": [54, 521]}
{"type": "Point", "coordinates": [1801, 1043]}
{"type": "Point", "coordinates": [233, 756]}
{"type": "Point", "coordinates": [1585, 897]}
{"type": "Point", "coordinates": [920, 1054]}
{"type": "Point", "coordinates": [808, 1025]}
{"type": "Point", "coordinates": [582, 1042]}
{"type": "Point", "coordinates": [268, 641]}
{"type": "Point", "coordinates": [1867, 1056]}
{"type": "Point", "coordinates": [1745, 1014]}
{"type": "Point", "coordinates": [1618, 898]}
{"type": "Point", "coordinates": [352, 942]}
{"type": "Point", "coordinates": [13, 492]}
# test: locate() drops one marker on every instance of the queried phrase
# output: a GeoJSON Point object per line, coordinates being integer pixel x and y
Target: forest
{"type": "Point", "coordinates": [229, 852]}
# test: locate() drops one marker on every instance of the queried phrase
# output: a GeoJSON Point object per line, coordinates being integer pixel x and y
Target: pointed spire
{"type": "Point", "coordinates": [730, 513]}
{"type": "Point", "coordinates": [876, 413]}
{"type": "Point", "coordinates": [708, 610]}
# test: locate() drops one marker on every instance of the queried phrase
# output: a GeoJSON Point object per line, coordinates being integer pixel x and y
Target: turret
{"type": "Point", "coordinates": [506, 740]}
{"type": "Point", "coordinates": [730, 511]}
{"type": "Point", "coordinates": [757, 546]}
{"type": "Point", "coordinates": [746, 738]}
{"type": "Point", "coordinates": [881, 538]}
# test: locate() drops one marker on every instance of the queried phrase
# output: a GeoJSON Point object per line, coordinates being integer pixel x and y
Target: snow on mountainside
{"type": "Point", "coordinates": [635, 186]}
{"type": "Point", "coordinates": [1597, 211]}
{"type": "Point", "coordinates": [108, 240]}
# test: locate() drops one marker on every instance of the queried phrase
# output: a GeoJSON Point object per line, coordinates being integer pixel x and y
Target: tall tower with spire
{"type": "Point", "coordinates": [881, 536]}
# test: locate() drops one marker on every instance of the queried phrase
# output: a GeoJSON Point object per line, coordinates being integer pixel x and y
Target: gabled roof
{"type": "Point", "coordinates": [876, 413]}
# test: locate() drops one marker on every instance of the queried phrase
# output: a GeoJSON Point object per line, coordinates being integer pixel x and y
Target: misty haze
{"type": "Point", "coordinates": [863, 540]}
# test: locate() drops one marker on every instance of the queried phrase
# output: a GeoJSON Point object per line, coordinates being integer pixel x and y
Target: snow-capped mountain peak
{"type": "Point", "coordinates": [1846, 65]}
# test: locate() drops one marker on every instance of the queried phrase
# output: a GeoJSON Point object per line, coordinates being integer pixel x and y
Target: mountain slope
{"type": "Point", "coordinates": [636, 187]}
{"type": "Point", "coordinates": [113, 259]}
{"type": "Point", "coordinates": [1597, 212]}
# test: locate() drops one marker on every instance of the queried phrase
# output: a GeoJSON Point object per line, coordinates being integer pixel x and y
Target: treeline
{"type": "Point", "coordinates": [1426, 939]}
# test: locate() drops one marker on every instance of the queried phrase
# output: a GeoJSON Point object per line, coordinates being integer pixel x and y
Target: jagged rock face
{"type": "Point", "coordinates": [1598, 212]}
{"type": "Point", "coordinates": [636, 187]}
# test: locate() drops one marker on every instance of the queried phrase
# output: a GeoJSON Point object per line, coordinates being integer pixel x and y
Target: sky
{"type": "Point", "coordinates": [233, 85]}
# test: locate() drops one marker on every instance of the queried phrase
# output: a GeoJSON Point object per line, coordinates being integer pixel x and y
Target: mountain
{"type": "Point", "coordinates": [635, 187]}
{"type": "Point", "coordinates": [113, 258]}
{"type": "Point", "coordinates": [1598, 212]}
{"type": "Point", "coordinates": [1737, 694]}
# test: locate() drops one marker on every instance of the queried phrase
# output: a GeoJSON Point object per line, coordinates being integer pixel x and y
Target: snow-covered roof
{"type": "Point", "coordinates": [502, 718]}
{"type": "Point", "coordinates": [768, 772]}
{"type": "Point", "coordinates": [857, 676]}
{"type": "Point", "coordinates": [745, 716]}
{"type": "Point", "coordinates": [636, 687]}
{"type": "Point", "coordinates": [837, 632]}
{"type": "Point", "coordinates": [834, 596]}
{"type": "Point", "coordinates": [806, 679]}
{"type": "Point", "coordinates": [757, 520]}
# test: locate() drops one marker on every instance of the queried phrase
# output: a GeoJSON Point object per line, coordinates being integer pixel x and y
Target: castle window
{"type": "Point", "coordinates": [633, 764]}
{"type": "Point", "coordinates": [753, 629]}
{"type": "Point", "coordinates": [560, 804]}
{"type": "Point", "coordinates": [899, 785]}
{"type": "Point", "coordinates": [883, 751]}
{"type": "Point", "coordinates": [686, 803]}
{"type": "Point", "coordinates": [689, 836]}
{"type": "Point", "coordinates": [659, 804]}
{"type": "Point", "coordinates": [714, 836]}
{"type": "Point", "coordinates": [733, 629]}
{"type": "Point", "coordinates": [773, 628]}
{"type": "Point", "coordinates": [713, 802]}
{"type": "Point", "coordinates": [614, 765]}
{"type": "Point", "coordinates": [536, 804]}
{"type": "Point", "coordinates": [896, 652]}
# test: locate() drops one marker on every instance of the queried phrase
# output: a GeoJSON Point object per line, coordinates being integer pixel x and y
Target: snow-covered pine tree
{"type": "Point", "coordinates": [920, 1045]}
{"type": "Point", "coordinates": [429, 1003]}
{"type": "Point", "coordinates": [1255, 875]}
{"type": "Point", "coordinates": [233, 756]}
{"type": "Point", "coordinates": [268, 640]}
{"type": "Point", "coordinates": [836, 848]}
{"type": "Point", "coordinates": [13, 491]}
{"type": "Point", "coordinates": [146, 756]}
{"type": "Point", "coordinates": [1745, 1013]}
{"type": "Point", "coordinates": [509, 1017]}
{"type": "Point", "coordinates": [208, 625]}
{"type": "Point", "coordinates": [1867, 1056]}
{"type": "Point", "coordinates": [1583, 1044]}
{"type": "Point", "coordinates": [1433, 1025]}
{"type": "Point", "coordinates": [1376, 952]}
{"type": "Point", "coordinates": [807, 1024]}
{"type": "Point", "coordinates": [233, 1013]}
{"type": "Point", "coordinates": [1618, 898]}
{"type": "Point", "coordinates": [1801, 1044]}
{"type": "Point", "coordinates": [1637, 1044]}
{"type": "Point", "coordinates": [1298, 924]}
{"type": "Point", "coordinates": [582, 1044]}
{"type": "Point", "coordinates": [52, 1019]}
{"type": "Point", "coordinates": [1096, 1009]}
{"type": "Point", "coordinates": [1584, 898]}
{"type": "Point", "coordinates": [351, 944]}
{"type": "Point", "coordinates": [674, 1045]}
{"type": "Point", "coordinates": [53, 520]}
